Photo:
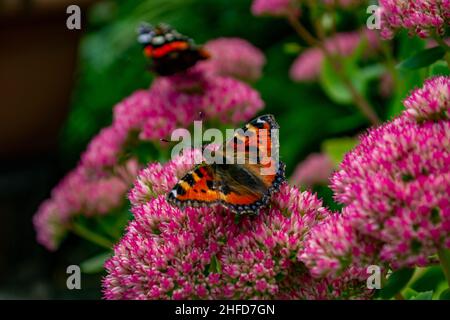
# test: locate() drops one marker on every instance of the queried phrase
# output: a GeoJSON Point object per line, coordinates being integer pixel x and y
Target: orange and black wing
{"type": "Point", "coordinates": [244, 190]}
{"type": "Point", "coordinates": [198, 187]}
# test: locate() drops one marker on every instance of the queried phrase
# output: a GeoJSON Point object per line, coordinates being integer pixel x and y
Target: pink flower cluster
{"type": "Point", "coordinates": [308, 65]}
{"type": "Point", "coordinates": [234, 57]}
{"type": "Point", "coordinates": [275, 7]}
{"type": "Point", "coordinates": [168, 253]}
{"type": "Point", "coordinates": [316, 169]}
{"type": "Point", "coordinates": [431, 102]}
{"type": "Point", "coordinates": [50, 226]}
{"type": "Point", "coordinates": [334, 246]}
{"type": "Point", "coordinates": [422, 17]}
{"type": "Point", "coordinates": [80, 193]}
{"type": "Point", "coordinates": [395, 186]}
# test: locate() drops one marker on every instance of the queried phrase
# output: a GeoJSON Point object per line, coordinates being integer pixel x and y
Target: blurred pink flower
{"type": "Point", "coordinates": [129, 114]}
{"type": "Point", "coordinates": [431, 102]}
{"type": "Point", "coordinates": [50, 226]}
{"type": "Point", "coordinates": [386, 85]}
{"type": "Point", "coordinates": [275, 7]}
{"type": "Point", "coordinates": [308, 65]}
{"type": "Point", "coordinates": [168, 253]}
{"type": "Point", "coordinates": [230, 100]}
{"type": "Point", "coordinates": [315, 169]}
{"type": "Point", "coordinates": [421, 17]}
{"type": "Point", "coordinates": [234, 57]}
{"type": "Point", "coordinates": [104, 149]}
{"type": "Point", "coordinates": [79, 193]}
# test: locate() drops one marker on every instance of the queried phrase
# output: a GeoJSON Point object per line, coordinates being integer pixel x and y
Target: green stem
{"type": "Point", "coordinates": [389, 60]}
{"type": "Point", "coordinates": [91, 236]}
{"type": "Point", "coordinates": [360, 101]}
{"type": "Point", "coordinates": [444, 258]}
{"type": "Point", "coordinates": [399, 296]}
{"type": "Point", "coordinates": [447, 58]}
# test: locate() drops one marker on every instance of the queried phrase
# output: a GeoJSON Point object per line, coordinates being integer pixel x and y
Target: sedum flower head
{"type": "Point", "coordinates": [104, 149]}
{"type": "Point", "coordinates": [230, 100]}
{"type": "Point", "coordinates": [234, 57]}
{"type": "Point", "coordinates": [431, 102]}
{"type": "Point", "coordinates": [424, 18]}
{"type": "Point", "coordinates": [277, 8]}
{"type": "Point", "coordinates": [334, 247]}
{"type": "Point", "coordinates": [395, 186]}
{"type": "Point", "coordinates": [49, 225]}
{"type": "Point", "coordinates": [80, 193]}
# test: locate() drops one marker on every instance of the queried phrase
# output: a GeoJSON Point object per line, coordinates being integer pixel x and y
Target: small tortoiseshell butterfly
{"type": "Point", "coordinates": [170, 51]}
{"type": "Point", "coordinates": [241, 188]}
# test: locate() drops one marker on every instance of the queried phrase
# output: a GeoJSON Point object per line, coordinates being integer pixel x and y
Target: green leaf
{"type": "Point", "coordinates": [337, 148]}
{"type": "Point", "coordinates": [396, 282]}
{"type": "Point", "coordinates": [422, 59]}
{"type": "Point", "coordinates": [409, 293]}
{"type": "Point", "coordinates": [427, 279]}
{"type": "Point", "coordinates": [95, 264]}
{"type": "Point", "coordinates": [332, 84]}
{"type": "Point", "coordinates": [215, 266]}
{"type": "Point", "coordinates": [407, 79]}
{"type": "Point", "coordinates": [439, 68]}
{"type": "Point", "coordinates": [427, 295]}
{"type": "Point", "coordinates": [445, 295]}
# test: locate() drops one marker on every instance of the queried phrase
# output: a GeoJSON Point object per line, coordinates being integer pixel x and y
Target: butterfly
{"type": "Point", "coordinates": [170, 51]}
{"type": "Point", "coordinates": [240, 188]}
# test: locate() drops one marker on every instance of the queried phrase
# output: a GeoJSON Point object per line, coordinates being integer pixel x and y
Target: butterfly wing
{"type": "Point", "coordinates": [248, 186]}
{"type": "Point", "coordinates": [198, 187]}
{"type": "Point", "coordinates": [244, 190]}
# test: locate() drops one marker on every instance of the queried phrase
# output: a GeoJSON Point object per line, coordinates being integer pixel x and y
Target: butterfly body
{"type": "Point", "coordinates": [170, 51]}
{"type": "Point", "coordinates": [241, 188]}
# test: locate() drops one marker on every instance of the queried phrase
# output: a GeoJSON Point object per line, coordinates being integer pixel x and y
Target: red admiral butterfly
{"type": "Point", "coordinates": [170, 51]}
